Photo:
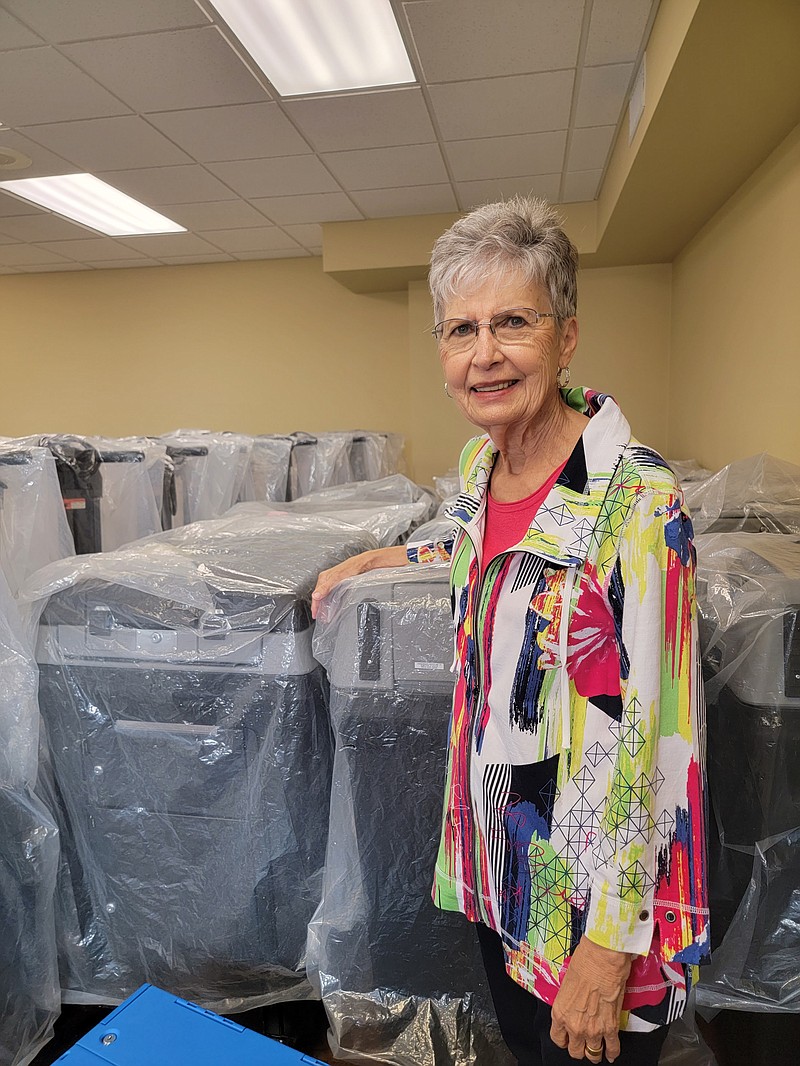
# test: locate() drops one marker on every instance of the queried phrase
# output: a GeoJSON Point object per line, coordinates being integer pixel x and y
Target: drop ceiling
{"type": "Point", "coordinates": [157, 98]}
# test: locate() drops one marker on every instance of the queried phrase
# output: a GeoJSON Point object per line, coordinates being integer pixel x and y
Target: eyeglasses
{"type": "Point", "coordinates": [509, 328]}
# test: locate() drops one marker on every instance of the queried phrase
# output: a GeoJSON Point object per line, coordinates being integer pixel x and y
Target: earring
{"type": "Point", "coordinates": [446, 392]}
{"type": "Point", "coordinates": [562, 377]}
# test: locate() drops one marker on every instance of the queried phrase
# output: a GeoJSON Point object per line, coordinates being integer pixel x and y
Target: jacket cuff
{"type": "Point", "coordinates": [621, 925]}
{"type": "Point", "coordinates": [429, 552]}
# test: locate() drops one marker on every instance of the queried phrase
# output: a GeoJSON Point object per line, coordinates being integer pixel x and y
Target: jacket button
{"type": "Point", "coordinates": [644, 916]}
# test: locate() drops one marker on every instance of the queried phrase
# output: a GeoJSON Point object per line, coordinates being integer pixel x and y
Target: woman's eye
{"type": "Point", "coordinates": [461, 329]}
{"type": "Point", "coordinates": [515, 321]}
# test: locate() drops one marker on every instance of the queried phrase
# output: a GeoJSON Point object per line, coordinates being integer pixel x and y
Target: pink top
{"type": "Point", "coordinates": [507, 523]}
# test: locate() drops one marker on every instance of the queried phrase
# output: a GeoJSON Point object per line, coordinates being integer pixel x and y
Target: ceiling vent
{"type": "Point", "coordinates": [13, 160]}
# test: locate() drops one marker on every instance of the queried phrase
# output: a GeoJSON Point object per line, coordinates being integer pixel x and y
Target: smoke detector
{"type": "Point", "coordinates": [10, 159]}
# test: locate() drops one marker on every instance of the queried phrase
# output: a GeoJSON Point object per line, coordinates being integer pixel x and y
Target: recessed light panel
{"type": "Point", "coordinates": [320, 46]}
{"type": "Point", "coordinates": [86, 199]}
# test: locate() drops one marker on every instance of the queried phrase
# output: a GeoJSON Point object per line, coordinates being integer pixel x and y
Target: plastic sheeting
{"type": "Point", "coordinates": [267, 475]}
{"type": "Point", "coordinates": [401, 981]}
{"type": "Point", "coordinates": [133, 476]}
{"type": "Point", "coordinates": [318, 462]}
{"type": "Point", "coordinates": [189, 757]}
{"type": "Point", "coordinates": [389, 508]}
{"type": "Point", "coordinates": [33, 523]}
{"type": "Point", "coordinates": [29, 994]}
{"type": "Point", "coordinates": [447, 485]}
{"type": "Point", "coordinates": [210, 471]}
{"type": "Point", "coordinates": [688, 470]}
{"type": "Point", "coordinates": [752, 495]}
{"type": "Point", "coordinates": [748, 595]}
{"type": "Point", "coordinates": [373, 456]}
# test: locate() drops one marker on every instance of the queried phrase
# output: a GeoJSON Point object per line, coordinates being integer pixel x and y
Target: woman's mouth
{"type": "Point", "coordinates": [499, 386]}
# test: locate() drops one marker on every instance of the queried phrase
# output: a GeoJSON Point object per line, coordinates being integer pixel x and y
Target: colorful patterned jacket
{"type": "Point", "coordinates": [575, 799]}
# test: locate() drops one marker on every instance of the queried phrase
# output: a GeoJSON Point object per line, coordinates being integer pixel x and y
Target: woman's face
{"type": "Point", "coordinates": [504, 386]}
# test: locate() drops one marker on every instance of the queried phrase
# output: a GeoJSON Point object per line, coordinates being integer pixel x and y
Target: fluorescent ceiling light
{"type": "Point", "coordinates": [86, 199]}
{"type": "Point", "coordinates": [320, 46]}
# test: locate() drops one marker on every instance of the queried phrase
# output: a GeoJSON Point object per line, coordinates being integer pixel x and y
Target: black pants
{"type": "Point", "coordinates": [525, 1020]}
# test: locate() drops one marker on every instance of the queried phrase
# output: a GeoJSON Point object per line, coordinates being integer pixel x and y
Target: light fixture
{"type": "Point", "coordinates": [86, 199]}
{"type": "Point", "coordinates": [320, 46]}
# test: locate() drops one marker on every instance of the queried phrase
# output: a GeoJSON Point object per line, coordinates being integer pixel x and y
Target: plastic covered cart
{"type": "Point", "coordinates": [401, 981]}
{"type": "Point", "coordinates": [190, 757]}
{"type": "Point", "coordinates": [29, 993]}
{"type": "Point", "coordinates": [749, 599]}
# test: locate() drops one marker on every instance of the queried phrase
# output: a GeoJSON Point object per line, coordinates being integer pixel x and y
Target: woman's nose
{"type": "Point", "coordinates": [486, 350]}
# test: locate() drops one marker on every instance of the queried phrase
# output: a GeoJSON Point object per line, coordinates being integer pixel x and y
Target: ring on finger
{"type": "Point", "coordinates": [593, 1050]}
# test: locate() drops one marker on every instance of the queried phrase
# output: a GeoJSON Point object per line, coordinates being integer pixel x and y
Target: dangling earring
{"type": "Point", "coordinates": [446, 392]}
{"type": "Point", "coordinates": [562, 377]}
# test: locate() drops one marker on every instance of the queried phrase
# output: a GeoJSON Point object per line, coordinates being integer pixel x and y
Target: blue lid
{"type": "Point", "coordinates": [154, 1028]}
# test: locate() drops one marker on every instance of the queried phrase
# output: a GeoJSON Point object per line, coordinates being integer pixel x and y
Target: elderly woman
{"type": "Point", "coordinates": [573, 831]}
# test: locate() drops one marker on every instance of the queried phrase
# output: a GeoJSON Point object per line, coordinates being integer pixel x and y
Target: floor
{"type": "Point", "coordinates": [300, 1025]}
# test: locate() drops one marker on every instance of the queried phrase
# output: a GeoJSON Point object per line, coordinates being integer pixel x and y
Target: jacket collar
{"type": "Point", "coordinates": [563, 527]}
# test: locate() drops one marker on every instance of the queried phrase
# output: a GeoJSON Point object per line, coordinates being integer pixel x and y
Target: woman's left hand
{"type": "Point", "coordinates": [585, 1015]}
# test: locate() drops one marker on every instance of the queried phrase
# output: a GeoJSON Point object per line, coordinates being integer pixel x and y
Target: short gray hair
{"type": "Point", "coordinates": [522, 236]}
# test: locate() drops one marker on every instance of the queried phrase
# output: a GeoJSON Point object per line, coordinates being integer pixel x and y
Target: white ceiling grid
{"type": "Point", "coordinates": [151, 96]}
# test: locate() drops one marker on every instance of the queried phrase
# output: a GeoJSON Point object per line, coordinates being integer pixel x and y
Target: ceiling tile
{"type": "Point", "coordinates": [186, 260]}
{"type": "Point", "coordinates": [498, 107]}
{"type": "Point", "coordinates": [474, 193]}
{"type": "Point", "coordinates": [263, 238]}
{"type": "Point", "coordinates": [589, 147]}
{"type": "Point", "coordinates": [109, 143]}
{"type": "Point", "coordinates": [275, 177]}
{"type": "Point", "coordinates": [222, 214]}
{"type": "Point", "coordinates": [27, 255]}
{"type": "Point", "coordinates": [169, 244]}
{"type": "Point", "coordinates": [240, 131]}
{"type": "Point", "coordinates": [388, 168]}
{"type": "Point", "coordinates": [458, 40]}
{"type": "Point", "coordinates": [40, 85]}
{"type": "Point", "coordinates": [167, 71]}
{"type": "Point", "coordinates": [162, 186]}
{"type": "Point", "coordinates": [616, 30]}
{"type": "Point", "coordinates": [310, 235]}
{"type": "Point", "coordinates": [44, 162]}
{"type": "Point", "coordinates": [6, 238]}
{"type": "Point", "coordinates": [14, 35]}
{"type": "Point", "coordinates": [412, 200]}
{"type": "Point", "coordinates": [53, 268]}
{"type": "Point", "coordinates": [43, 226]}
{"type": "Point", "coordinates": [78, 20]}
{"type": "Point", "coordinates": [11, 205]}
{"type": "Point", "coordinates": [581, 185]}
{"type": "Point", "coordinates": [602, 94]}
{"type": "Point", "coordinates": [322, 207]}
{"type": "Point", "coordinates": [301, 253]}
{"type": "Point", "coordinates": [96, 249]}
{"type": "Point", "coordinates": [123, 264]}
{"type": "Point", "coordinates": [364, 120]}
{"type": "Point", "coordinates": [506, 157]}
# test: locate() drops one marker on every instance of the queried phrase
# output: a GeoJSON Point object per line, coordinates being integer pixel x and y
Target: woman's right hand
{"type": "Point", "coordinates": [376, 559]}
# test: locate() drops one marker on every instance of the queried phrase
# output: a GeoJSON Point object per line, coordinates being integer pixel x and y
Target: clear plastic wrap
{"type": "Point", "coordinates": [389, 508]}
{"type": "Point", "coordinates": [318, 462]}
{"type": "Point", "coordinates": [268, 469]}
{"type": "Point", "coordinates": [758, 494]}
{"type": "Point", "coordinates": [447, 485]}
{"type": "Point", "coordinates": [29, 994]}
{"type": "Point", "coordinates": [748, 596]}
{"type": "Point", "coordinates": [401, 981]}
{"type": "Point", "coordinates": [685, 1045]}
{"type": "Point", "coordinates": [374, 455]}
{"type": "Point", "coordinates": [33, 522]}
{"type": "Point", "coordinates": [133, 475]}
{"type": "Point", "coordinates": [688, 470]}
{"type": "Point", "coordinates": [189, 757]}
{"type": "Point", "coordinates": [210, 471]}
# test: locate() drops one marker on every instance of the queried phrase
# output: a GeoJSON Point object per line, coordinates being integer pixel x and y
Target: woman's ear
{"type": "Point", "coordinates": [569, 341]}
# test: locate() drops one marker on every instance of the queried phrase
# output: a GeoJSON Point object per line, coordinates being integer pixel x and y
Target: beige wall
{"type": "Point", "coordinates": [623, 349]}
{"type": "Point", "coordinates": [735, 371]}
{"type": "Point", "coordinates": [276, 346]}
{"type": "Point", "coordinates": [259, 347]}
